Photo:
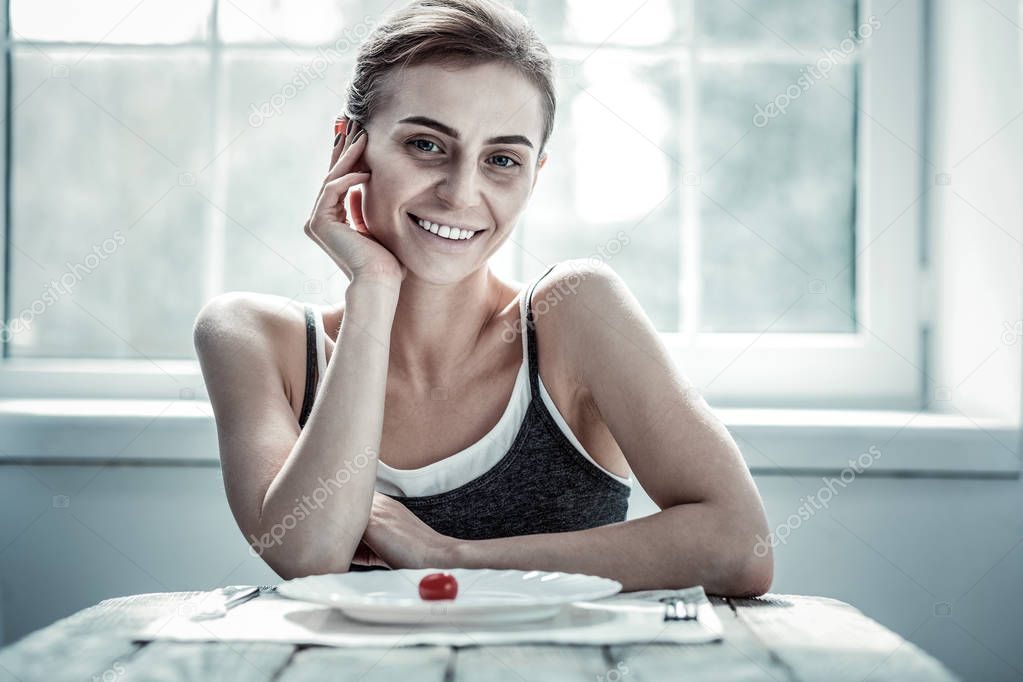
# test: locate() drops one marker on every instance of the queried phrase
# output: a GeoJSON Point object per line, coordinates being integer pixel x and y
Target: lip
{"type": "Point", "coordinates": [441, 222]}
{"type": "Point", "coordinates": [440, 243]}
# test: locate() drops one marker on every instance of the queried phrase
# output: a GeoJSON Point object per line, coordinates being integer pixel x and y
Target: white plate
{"type": "Point", "coordinates": [484, 595]}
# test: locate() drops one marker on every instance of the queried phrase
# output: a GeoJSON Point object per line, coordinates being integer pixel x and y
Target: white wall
{"type": "Point", "coordinates": [977, 219]}
{"type": "Point", "coordinates": [894, 548]}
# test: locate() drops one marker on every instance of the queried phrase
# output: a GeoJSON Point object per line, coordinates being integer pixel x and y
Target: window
{"type": "Point", "coordinates": [748, 168]}
{"type": "Point", "coordinates": [764, 213]}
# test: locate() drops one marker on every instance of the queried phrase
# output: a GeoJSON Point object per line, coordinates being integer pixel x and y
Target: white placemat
{"type": "Point", "coordinates": [614, 620]}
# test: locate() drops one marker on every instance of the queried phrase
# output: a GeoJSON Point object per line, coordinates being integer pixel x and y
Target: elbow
{"type": "Point", "coordinates": [289, 566]}
{"type": "Point", "coordinates": [293, 553]}
{"type": "Point", "coordinates": [755, 578]}
{"type": "Point", "coordinates": [288, 562]}
{"type": "Point", "coordinates": [748, 560]}
{"type": "Point", "coordinates": [754, 570]}
{"type": "Point", "coordinates": [290, 570]}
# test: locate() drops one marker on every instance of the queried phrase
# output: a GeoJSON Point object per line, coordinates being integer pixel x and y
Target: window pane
{"type": "Point", "coordinates": [111, 21]}
{"type": "Point", "coordinates": [106, 242]}
{"type": "Point", "coordinates": [312, 22]}
{"type": "Point", "coordinates": [274, 170]}
{"type": "Point", "coordinates": [632, 22]}
{"type": "Point", "coordinates": [609, 189]}
{"type": "Point", "coordinates": [776, 23]}
{"type": "Point", "coordinates": [777, 202]}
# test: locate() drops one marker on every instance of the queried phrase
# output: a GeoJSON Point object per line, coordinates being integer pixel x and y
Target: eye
{"type": "Point", "coordinates": [512, 161]}
{"type": "Point", "coordinates": [418, 142]}
{"type": "Point", "coordinates": [422, 139]}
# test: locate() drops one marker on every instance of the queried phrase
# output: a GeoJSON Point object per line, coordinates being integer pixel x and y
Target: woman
{"type": "Point", "coordinates": [337, 445]}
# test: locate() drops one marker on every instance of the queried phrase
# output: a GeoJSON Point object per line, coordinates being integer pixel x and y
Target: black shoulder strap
{"type": "Point", "coordinates": [310, 364]}
{"type": "Point", "coordinates": [534, 361]}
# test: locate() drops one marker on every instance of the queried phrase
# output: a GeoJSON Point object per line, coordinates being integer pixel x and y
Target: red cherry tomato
{"type": "Point", "coordinates": [438, 586]}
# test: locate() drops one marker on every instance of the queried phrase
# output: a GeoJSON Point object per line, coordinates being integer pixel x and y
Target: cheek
{"type": "Point", "coordinates": [393, 172]}
{"type": "Point", "coordinates": [384, 182]}
{"type": "Point", "coordinates": [513, 198]}
{"type": "Point", "coordinates": [386, 155]}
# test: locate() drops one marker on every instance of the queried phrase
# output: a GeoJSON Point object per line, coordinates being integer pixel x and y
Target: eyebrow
{"type": "Point", "coordinates": [451, 132]}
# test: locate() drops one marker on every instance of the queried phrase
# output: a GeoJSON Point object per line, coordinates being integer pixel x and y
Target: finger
{"type": "Point", "coordinates": [356, 218]}
{"type": "Point", "coordinates": [367, 556]}
{"type": "Point", "coordinates": [348, 159]}
{"type": "Point", "coordinates": [364, 555]}
{"type": "Point", "coordinates": [341, 123]}
{"type": "Point", "coordinates": [342, 145]}
{"type": "Point", "coordinates": [339, 139]}
{"type": "Point", "coordinates": [331, 199]}
{"type": "Point", "coordinates": [350, 129]}
{"type": "Point", "coordinates": [342, 127]}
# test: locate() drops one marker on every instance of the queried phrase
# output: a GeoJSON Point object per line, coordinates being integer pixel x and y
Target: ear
{"type": "Point", "coordinates": [539, 164]}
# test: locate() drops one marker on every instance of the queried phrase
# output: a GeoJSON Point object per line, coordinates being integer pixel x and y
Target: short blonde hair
{"type": "Point", "coordinates": [459, 32]}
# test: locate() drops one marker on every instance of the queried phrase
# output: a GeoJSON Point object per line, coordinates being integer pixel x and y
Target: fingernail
{"type": "Point", "coordinates": [337, 138]}
{"type": "Point", "coordinates": [359, 134]}
{"type": "Point", "coordinates": [348, 126]}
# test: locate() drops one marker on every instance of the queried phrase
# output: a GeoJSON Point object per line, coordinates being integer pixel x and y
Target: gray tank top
{"type": "Point", "coordinates": [542, 484]}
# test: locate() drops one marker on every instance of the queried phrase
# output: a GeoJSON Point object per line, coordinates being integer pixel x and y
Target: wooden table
{"type": "Point", "coordinates": [776, 637]}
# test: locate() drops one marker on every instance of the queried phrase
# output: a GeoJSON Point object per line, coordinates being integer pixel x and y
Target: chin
{"type": "Point", "coordinates": [436, 272]}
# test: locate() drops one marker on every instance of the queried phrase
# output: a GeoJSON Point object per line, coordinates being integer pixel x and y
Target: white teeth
{"type": "Point", "coordinates": [445, 231]}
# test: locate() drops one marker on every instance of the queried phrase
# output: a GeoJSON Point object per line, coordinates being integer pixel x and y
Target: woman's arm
{"type": "Point", "coordinates": [300, 498]}
{"type": "Point", "coordinates": [681, 546]}
{"type": "Point", "coordinates": [712, 516]}
{"type": "Point", "coordinates": [303, 498]}
{"type": "Point", "coordinates": [333, 465]}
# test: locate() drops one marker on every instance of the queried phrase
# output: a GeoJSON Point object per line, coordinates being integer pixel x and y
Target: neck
{"type": "Point", "coordinates": [437, 328]}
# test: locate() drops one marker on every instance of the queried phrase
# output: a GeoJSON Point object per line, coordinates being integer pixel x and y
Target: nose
{"type": "Point", "coordinates": [458, 188]}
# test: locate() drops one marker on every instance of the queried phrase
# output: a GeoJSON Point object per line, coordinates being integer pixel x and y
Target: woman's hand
{"type": "Point", "coordinates": [347, 239]}
{"type": "Point", "coordinates": [401, 540]}
{"type": "Point", "coordinates": [367, 557]}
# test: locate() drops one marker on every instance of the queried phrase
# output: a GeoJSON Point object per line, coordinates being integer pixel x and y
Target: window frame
{"type": "Point", "coordinates": [758, 369]}
{"type": "Point", "coordinates": [862, 369]}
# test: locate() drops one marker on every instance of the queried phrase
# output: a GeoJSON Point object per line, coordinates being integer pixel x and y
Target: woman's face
{"type": "Point", "coordinates": [455, 146]}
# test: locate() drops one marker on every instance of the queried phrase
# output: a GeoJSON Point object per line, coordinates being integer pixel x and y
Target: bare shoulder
{"type": "Point", "coordinates": [245, 317]}
{"type": "Point", "coordinates": [240, 339]}
{"type": "Point", "coordinates": [265, 330]}
{"type": "Point", "coordinates": [595, 319]}
{"type": "Point", "coordinates": [580, 295]}
{"type": "Point", "coordinates": [578, 299]}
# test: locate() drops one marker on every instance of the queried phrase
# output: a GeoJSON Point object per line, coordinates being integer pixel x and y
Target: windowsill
{"type": "Point", "coordinates": [773, 441]}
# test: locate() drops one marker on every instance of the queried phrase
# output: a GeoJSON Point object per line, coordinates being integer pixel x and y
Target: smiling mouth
{"type": "Point", "coordinates": [443, 231]}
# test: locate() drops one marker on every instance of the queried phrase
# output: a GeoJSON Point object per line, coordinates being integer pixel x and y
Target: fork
{"type": "Point", "coordinates": [235, 598]}
{"type": "Point", "coordinates": [671, 609]}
